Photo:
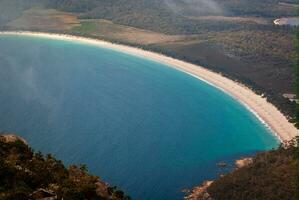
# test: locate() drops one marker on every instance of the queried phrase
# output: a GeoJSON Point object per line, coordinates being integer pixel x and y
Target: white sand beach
{"type": "Point", "coordinates": [265, 111]}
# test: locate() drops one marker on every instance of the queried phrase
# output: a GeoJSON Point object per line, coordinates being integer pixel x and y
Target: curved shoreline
{"type": "Point", "coordinates": [267, 113]}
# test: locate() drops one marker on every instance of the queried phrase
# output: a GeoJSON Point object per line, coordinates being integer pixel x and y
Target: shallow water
{"type": "Point", "coordinates": [138, 124]}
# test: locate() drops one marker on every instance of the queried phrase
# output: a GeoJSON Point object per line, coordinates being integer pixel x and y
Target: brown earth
{"type": "Point", "coordinates": [45, 20]}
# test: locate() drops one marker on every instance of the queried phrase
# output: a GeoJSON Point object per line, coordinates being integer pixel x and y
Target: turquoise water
{"type": "Point", "coordinates": [138, 124]}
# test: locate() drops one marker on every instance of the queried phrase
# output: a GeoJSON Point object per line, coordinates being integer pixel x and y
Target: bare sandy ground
{"type": "Point", "coordinates": [292, 21]}
{"type": "Point", "coordinates": [265, 111]}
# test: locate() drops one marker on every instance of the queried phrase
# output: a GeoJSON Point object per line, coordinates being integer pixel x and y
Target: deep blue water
{"type": "Point", "coordinates": [138, 124]}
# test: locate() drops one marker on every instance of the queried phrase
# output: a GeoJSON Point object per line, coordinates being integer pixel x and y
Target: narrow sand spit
{"type": "Point", "coordinates": [265, 111]}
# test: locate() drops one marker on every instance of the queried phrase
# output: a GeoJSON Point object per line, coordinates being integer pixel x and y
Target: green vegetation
{"type": "Point", "coordinates": [271, 176]}
{"type": "Point", "coordinates": [297, 78]}
{"type": "Point", "coordinates": [297, 108]}
{"type": "Point", "coordinates": [297, 167]}
{"type": "Point", "coordinates": [168, 16]}
{"type": "Point", "coordinates": [25, 175]}
{"type": "Point", "coordinates": [265, 8]}
{"type": "Point", "coordinates": [85, 27]}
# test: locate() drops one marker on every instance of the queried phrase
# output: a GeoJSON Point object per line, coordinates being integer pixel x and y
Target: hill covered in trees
{"type": "Point", "coordinates": [167, 16]}
{"type": "Point", "coordinates": [25, 174]}
{"type": "Point", "coordinates": [272, 175]}
{"type": "Point", "coordinates": [297, 81]}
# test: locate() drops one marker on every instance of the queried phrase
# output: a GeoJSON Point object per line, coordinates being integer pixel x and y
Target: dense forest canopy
{"type": "Point", "coordinates": [166, 15]}
{"type": "Point", "coordinates": [271, 176]}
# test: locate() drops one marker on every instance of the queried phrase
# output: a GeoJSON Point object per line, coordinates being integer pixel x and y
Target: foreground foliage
{"type": "Point", "coordinates": [28, 175]}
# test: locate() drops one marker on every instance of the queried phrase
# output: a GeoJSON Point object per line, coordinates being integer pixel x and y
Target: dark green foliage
{"type": "Point", "coordinates": [297, 77]}
{"type": "Point", "coordinates": [168, 16]}
{"type": "Point", "coordinates": [23, 173]}
{"type": "Point", "coordinates": [297, 108]}
{"type": "Point", "coordinates": [71, 5]}
{"type": "Point", "coordinates": [265, 8]}
{"type": "Point", "coordinates": [171, 16]}
{"type": "Point", "coordinates": [11, 9]}
{"type": "Point", "coordinates": [297, 166]}
{"type": "Point", "coordinates": [118, 193]}
{"type": "Point", "coordinates": [272, 176]}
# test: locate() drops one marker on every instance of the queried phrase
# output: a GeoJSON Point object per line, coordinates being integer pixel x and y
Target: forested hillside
{"type": "Point", "coordinates": [171, 16]}
{"type": "Point", "coordinates": [271, 176]}
{"type": "Point", "coordinates": [297, 81]}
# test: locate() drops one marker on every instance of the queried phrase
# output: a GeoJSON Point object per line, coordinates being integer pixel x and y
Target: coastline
{"type": "Point", "coordinates": [267, 113]}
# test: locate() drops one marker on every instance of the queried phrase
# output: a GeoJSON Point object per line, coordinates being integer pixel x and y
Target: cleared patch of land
{"type": "Point", "coordinates": [44, 19]}
{"type": "Point", "coordinates": [53, 20]}
{"type": "Point", "coordinates": [109, 30]}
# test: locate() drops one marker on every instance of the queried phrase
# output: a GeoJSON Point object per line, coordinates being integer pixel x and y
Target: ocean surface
{"type": "Point", "coordinates": [138, 124]}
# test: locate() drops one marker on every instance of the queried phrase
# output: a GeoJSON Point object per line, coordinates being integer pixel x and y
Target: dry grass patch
{"type": "Point", "coordinates": [112, 31]}
{"type": "Point", "coordinates": [45, 19]}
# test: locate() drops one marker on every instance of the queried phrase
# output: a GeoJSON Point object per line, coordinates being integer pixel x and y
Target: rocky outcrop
{"type": "Point", "coordinates": [11, 138]}
{"type": "Point", "coordinates": [200, 193]}
{"type": "Point", "coordinates": [243, 162]}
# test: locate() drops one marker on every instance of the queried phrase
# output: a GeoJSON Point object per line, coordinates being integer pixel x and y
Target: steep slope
{"type": "Point", "coordinates": [271, 176]}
